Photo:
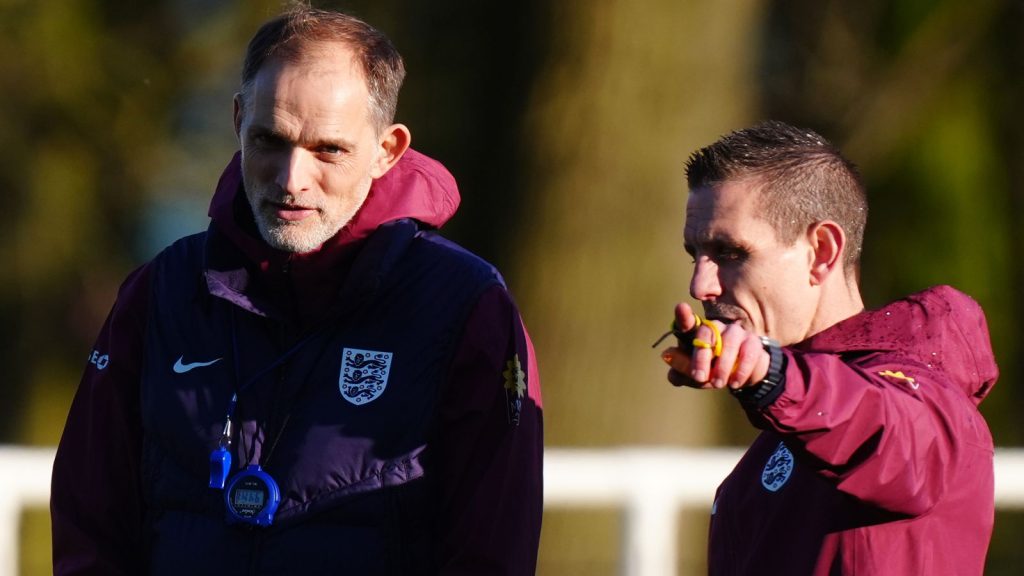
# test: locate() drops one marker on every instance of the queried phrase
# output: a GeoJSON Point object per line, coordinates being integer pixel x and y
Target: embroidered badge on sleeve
{"type": "Point", "coordinates": [515, 389]}
{"type": "Point", "coordinates": [900, 376]}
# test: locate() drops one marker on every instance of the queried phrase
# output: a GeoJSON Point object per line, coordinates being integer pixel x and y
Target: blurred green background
{"type": "Point", "coordinates": [567, 125]}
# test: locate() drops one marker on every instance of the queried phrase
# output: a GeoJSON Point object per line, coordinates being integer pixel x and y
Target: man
{"type": "Point", "coordinates": [873, 457]}
{"type": "Point", "coordinates": [318, 384]}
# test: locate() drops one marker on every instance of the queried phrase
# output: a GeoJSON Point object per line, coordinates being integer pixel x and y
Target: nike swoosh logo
{"type": "Point", "coordinates": [180, 367]}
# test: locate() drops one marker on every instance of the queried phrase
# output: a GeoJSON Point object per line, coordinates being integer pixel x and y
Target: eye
{"type": "Point", "coordinates": [330, 151]}
{"type": "Point", "coordinates": [730, 254]}
{"type": "Point", "coordinates": [265, 140]}
{"type": "Point", "coordinates": [723, 253]}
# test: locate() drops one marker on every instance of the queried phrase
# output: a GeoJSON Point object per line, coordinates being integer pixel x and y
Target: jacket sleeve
{"type": "Point", "coordinates": [96, 503]}
{"type": "Point", "coordinates": [490, 447]}
{"type": "Point", "coordinates": [888, 432]}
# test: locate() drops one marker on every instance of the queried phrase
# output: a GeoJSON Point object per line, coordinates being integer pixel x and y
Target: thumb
{"type": "Point", "coordinates": [686, 318]}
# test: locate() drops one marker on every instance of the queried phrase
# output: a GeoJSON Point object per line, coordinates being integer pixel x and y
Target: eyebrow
{"type": "Point", "coordinates": [709, 239]}
{"type": "Point", "coordinates": [335, 143]}
{"type": "Point", "coordinates": [263, 130]}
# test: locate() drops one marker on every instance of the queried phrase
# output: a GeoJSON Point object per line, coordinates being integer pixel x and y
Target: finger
{"type": "Point", "coordinates": [732, 337]}
{"type": "Point", "coordinates": [676, 359]}
{"type": "Point", "coordinates": [686, 318]}
{"type": "Point", "coordinates": [751, 354]}
{"type": "Point", "coordinates": [700, 367]}
{"type": "Point", "coordinates": [679, 362]}
{"type": "Point", "coordinates": [679, 380]}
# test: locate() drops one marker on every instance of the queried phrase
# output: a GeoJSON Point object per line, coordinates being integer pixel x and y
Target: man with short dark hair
{"type": "Point", "coordinates": [873, 457]}
{"type": "Point", "coordinates": [320, 383]}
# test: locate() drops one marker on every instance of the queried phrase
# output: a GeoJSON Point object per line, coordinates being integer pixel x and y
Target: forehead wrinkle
{"type": "Point", "coordinates": [314, 130]}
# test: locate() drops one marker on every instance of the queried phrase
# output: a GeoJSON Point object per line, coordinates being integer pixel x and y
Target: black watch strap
{"type": "Point", "coordinates": [767, 390]}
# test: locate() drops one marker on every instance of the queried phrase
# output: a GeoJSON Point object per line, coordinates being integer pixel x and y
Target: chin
{"type": "Point", "coordinates": [288, 244]}
{"type": "Point", "coordinates": [289, 238]}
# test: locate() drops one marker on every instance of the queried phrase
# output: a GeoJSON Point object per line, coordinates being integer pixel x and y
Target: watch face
{"type": "Point", "coordinates": [252, 498]}
{"type": "Point", "coordinates": [248, 496]}
{"type": "Point", "coordinates": [246, 500]}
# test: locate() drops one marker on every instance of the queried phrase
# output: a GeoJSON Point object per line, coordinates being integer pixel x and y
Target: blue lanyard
{"type": "Point", "coordinates": [266, 370]}
{"type": "Point", "coordinates": [220, 458]}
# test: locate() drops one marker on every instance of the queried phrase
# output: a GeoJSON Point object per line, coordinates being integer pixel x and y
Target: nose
{"type": "Point", "coordinates": [296, 174]}
{"type": "Point", "coordinates": [705, 284]}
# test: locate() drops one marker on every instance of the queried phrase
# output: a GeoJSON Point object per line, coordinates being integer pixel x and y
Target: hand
{"type": "Point", "coordinates": [742, 362]}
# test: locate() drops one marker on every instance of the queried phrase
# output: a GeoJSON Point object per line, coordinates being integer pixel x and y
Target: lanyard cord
{"type": "Point", "coordinates": [225, 440]}
{"type": "Point", "coordinates": [226, 436]}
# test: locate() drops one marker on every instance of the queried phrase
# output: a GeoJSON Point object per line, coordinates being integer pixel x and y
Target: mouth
{"type": "Point", "coordinates": [291, 212]}
{"type": "Point", "coordinates": [723, 314]}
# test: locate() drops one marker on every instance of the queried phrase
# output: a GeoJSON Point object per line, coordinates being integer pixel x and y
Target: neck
{"type": "Point", "coordinates": [840, 299]}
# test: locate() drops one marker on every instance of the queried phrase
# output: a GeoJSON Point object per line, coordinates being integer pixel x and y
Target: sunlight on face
{"type": "Point", "coordinates": [742, 273]}
{"type": "Point", "coordinates": [308, 147]}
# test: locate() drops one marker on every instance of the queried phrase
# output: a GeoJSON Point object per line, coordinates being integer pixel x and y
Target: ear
{"type": "Point", "coordinates": [238, 116]}
{"type": "Point", "coordinates": [394, 141]}
{"type": "Point", "coordinates": [828, 241]}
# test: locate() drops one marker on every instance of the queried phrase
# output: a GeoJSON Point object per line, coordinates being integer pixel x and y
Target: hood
{"type": "Point", "coordinates": [941, 327]}
{"type": "Point", "coordinates": [417, 188]}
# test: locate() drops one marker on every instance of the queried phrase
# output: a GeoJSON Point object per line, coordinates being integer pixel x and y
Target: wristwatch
{"type": "Point", "coordinates": [767, 390]}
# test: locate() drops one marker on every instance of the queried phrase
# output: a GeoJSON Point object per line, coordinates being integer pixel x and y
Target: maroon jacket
{"type": "Point", "coordinates": [875, 459]}
{"type": "Point", "coordinates": [489, 500]}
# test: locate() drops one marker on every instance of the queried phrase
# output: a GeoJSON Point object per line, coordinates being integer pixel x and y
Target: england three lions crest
{"type": "Point", "coordinates": [364, 375]}
{"type": "Point", "coordinates": [778, 469]}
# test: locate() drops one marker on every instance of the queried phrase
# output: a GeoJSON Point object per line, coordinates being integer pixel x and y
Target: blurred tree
{"type": "Point", "coordinates": [89, 86]}
{"type": "Point", "coordinates": [925, 97]}
{"type": "Point", "coordinates": [912, 92]}
{"type": "Point", "coordinates": [1006, 93]}
{"type": "Point", "coordinates": [630, 91]}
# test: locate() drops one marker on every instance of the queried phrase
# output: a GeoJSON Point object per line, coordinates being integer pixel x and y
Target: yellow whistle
{"type": "Point", "coordinates": [716, 348]}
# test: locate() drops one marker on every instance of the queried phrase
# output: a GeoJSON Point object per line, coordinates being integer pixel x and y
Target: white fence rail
{"type": "Point", "coordinates": [651, 485]}
{"type": "Point", "coordinates": [24, 483]}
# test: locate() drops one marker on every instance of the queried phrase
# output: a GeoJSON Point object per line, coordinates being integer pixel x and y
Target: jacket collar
{"type": "Point", "coordinates": [241, 268]}
{"type": "Point", "coordinates": [941, 328]}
